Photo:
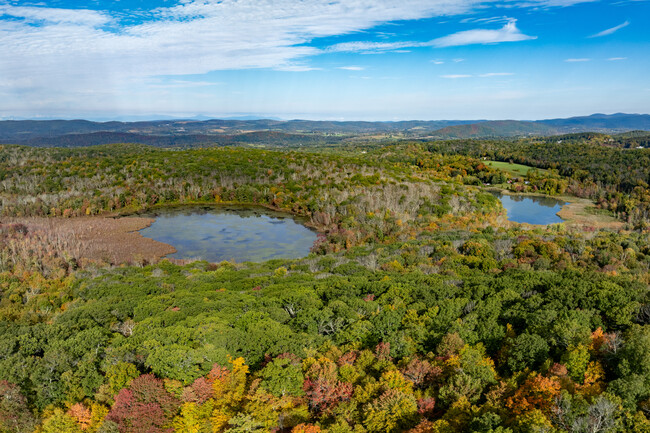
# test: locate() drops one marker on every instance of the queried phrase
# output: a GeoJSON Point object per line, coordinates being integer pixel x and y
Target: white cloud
{"type": "Point", "coordinates": [613, 59]}
{"type": "Point", "coordinates": [485, 20]}
{"type": "Point", "coordinates": [194, 37]}
{"type": "Point", "coordinates": [438, 62]}
{"type": "Point", "coordinates": [351, 68]}
{"type": "Point", "coordinates": [369, 47]}
{"type": "Point", "coordinates": [67, 54]}
{"type": "Point", "coordinates": [577, 60]}
{"type": "Point", "coordinates": [508, 33]}
{"type": "Point", "coordinates": [57, 16]}
{"type": "Point", "coordinates": [496, 74]}
{"type": "Point", "coordinates": [454, 76]}
{"type": "Point", "coordinates": [610, 30]}
{"type": "Point", "coordinates": [62, 59]}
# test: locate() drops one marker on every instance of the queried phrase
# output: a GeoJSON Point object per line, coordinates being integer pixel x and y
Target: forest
{"type": "Point", "coordinates": [421, 308]}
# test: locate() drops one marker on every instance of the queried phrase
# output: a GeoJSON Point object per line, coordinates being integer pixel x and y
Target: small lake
{"type": "Point", "coordinates": [239, 233]}
{"type": "Point", "coordinates": [531, 210]}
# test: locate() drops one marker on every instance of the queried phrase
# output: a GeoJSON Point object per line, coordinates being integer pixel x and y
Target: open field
{"type": "Point", "coordinates": [513, 169]}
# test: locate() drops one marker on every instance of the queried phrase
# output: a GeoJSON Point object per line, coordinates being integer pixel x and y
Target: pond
{"type": "Point", "coordinates": [531, 210]}
{"type": "Point", "coordinates": [239, 233]}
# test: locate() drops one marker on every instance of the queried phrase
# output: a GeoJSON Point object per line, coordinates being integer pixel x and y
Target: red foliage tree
{"type": "Point", "coordinates": [348, 358]}
{"type": "Point", "coordinates": [218, 373]}
{"type": "Point", "coordinates": [420, 372]}
{"type": "Point", "coordinates": [145, 407]}
{"type": "Point", "coordinates": [202, 390]}
{"type": "Point", "coordinates": [426, 406]}
{"type": "Point", "coordinates": [324, 395]}
{"type": "Point", "coordinates": [382, 351]}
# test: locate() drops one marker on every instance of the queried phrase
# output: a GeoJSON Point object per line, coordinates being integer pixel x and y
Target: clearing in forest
{"type": "Point", "coordinates": [513, 169]}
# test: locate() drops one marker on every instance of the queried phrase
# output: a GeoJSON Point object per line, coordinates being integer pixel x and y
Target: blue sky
{"type": "Point", "coordinates": [324, 59]}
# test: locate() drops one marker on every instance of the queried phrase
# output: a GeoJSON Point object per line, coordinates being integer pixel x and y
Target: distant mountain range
{"type": "Point", "coordinates": [618, 122]}
{"type": "Point", "coordinates": [71, 133]}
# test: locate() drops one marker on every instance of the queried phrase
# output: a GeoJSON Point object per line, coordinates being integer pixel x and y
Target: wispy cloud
{"type": "Point", "coordinates": [369, 47]}
{"type": "Point", "coordinates": [485, 20]}
{"type": "Point", "coordinates": [455, 76]}
{"type": "Point", "coordinates": [45, 15]}
{"type": "Point", "coordinates": [508, 33]}
{"type": "Point", "coordinates": [351, 68]}
{"type": "Point", "coordinates": [69, 48]}
{"type": "Point", "coordinates": [610, 30]}
{"type": "Point", "coordinates": [438, 62]}
{"type": "Point", "coordinates": [496, 74]}
{"type": "Point", "coordinates": [577, 60]}
{"type": "Point", "coordinates": [614, 59]}
{"type": "Point", "coordinates": [67, 54]}
{"type": "Point", "coordinates": [59, 56]}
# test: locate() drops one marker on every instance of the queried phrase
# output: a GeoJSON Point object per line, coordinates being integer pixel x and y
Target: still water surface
{"type": "Point", "coordinates": [532, 210]}
{"type": "Point", "coordinates": [239, 233]}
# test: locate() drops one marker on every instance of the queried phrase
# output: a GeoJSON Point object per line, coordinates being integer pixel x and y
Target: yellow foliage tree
{"type": "Point", "coordinates": [189, 420]}
{"type": "Point", "coordinates": [229, 388]}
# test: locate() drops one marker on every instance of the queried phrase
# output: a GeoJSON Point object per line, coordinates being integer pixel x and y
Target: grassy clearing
{"type": "Point", "coordinates": [513, 169]}
{"type": "Point", "coordinates": [597, 211]}
{"type": "Point", "coordinates": [579, 212]}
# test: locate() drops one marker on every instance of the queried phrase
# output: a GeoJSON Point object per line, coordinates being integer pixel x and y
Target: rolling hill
{"type": "Point", "coordinates": [72, 133]}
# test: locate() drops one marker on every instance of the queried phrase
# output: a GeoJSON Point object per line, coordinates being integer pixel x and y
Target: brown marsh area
{"type": "Point", "coordinates": [103, 239]}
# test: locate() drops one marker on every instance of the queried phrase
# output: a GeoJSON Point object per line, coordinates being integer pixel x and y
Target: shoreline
{"type": "Point", "coordinates": [115, 237]}
{"type": "Point", "coordinates": [574, 211]}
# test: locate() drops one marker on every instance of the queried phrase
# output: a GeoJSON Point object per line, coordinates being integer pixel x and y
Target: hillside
{"type": "Point", "coordinates": [18, 131]}
{"type": "Point", "coordinates": [183, 133]}
{"type": "Point", "coordinates": [500, 128]}
{"type": "Point", "coordinates": [618, 122]}
{"type": "Point", "coordinates": [181, 140]}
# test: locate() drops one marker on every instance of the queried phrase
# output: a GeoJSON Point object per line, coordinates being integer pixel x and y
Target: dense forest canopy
{"type": "Point", "coordinates": [421, 307]}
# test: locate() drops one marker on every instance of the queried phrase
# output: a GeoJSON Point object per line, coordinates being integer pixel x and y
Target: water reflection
{"type": "Point", "coordinates": [530, 209]}
{"type": "Point", "coordinates": [239, 233]}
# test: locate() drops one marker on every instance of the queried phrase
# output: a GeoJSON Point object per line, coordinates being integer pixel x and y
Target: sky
{"type": "Point", "coordinates": [323, 59]}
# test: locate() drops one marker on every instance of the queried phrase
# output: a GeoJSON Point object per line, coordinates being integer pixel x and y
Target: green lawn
{"type": "Point", "coordinates": [513, 169]}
